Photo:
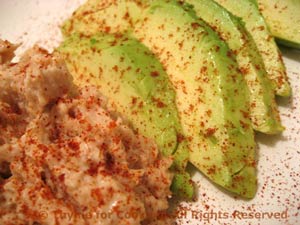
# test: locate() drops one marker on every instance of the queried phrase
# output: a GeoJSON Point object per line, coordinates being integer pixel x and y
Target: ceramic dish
{"type": "Point", "coordinates": [278, 197]}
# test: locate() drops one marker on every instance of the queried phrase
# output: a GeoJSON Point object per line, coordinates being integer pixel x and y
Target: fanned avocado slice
{"type": "Point", "coordinates": [211, 94]}
{"type": "Point", "coordinates": [136, 85]}
{"type": "Point", "coordinates": [257, 27]}
{"type": "Point", "coordinates": [108, 16]}
{"type": "Point", "coordinates": [264, 114]}
{"type": "Point", "coordinates": [283, 19]}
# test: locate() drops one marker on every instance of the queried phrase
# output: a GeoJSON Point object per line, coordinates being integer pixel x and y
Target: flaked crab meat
{"type": "Point", "coordinates": [71, 160]}
{"type": "Point", "coordinates": [7, 51]}
{"type": "Point", "coordinates": [27, 87]}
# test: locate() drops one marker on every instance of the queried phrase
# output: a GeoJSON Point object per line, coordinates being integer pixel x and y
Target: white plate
{"type": "Point", "coordinates": [278, 197]}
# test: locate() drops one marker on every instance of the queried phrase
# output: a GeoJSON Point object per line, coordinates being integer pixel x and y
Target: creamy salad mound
{"type": "Point", "coordinates": [65, 158]}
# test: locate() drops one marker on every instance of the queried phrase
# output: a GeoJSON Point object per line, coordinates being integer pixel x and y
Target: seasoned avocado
{"type": "Point", "coordinates": [212, 96]}
{"type": "Point", "coordinates": [109, 16]}
{"type": "Point", "coordinates": [264, 114]}
{"type": "Point", "coordinates": [283, 19]}
{"type": "Point", "coordinates": [136, 86]}
{"type": "Point", "coordinates": [256, 26]}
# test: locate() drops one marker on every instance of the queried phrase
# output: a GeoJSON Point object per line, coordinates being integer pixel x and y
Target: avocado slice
{"type": "Point", "coordinates": [106, 16]}
{"type": "Point", "coordinates": [212, 96]}
{"type": "Point", "coordinates": [257, 27]}
{"type": "Point", "coordinates": [136, 85]}
{"type": "Point", "coordinates": [264, 113]}
{"type": "Point", "coordinates": [283, 19]}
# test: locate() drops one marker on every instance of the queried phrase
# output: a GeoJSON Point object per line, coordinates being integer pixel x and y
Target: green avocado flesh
{"type": "Point", "coordinates": [257, 27]}
{"type": "Point", "coordinates": [264, 114]}
{"type": "Point", "coordinates": [136, 85]}
{"type": "Point", "coordinates": [283, 19]}
{"type": "Point", "coordinates": [212, 97]}
{"type": "Point", "coordinates": [108, 16]}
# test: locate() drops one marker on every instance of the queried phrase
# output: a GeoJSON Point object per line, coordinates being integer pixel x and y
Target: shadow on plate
{"type": "Point", "coordinates": [290, 53]}
{"type": "Point", "coordinates": [285, 102]}
{"type": "Point", "coordinates": [269, 140]}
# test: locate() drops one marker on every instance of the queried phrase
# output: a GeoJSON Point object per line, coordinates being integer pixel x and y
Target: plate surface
{"type": "Point", "coordinates": [278, 197]}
